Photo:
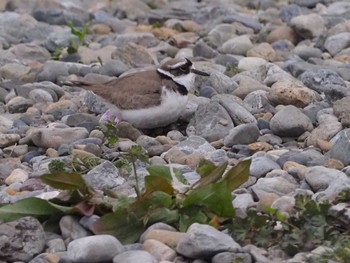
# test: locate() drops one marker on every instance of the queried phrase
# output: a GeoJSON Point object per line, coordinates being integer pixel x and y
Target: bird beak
{"type": "Point", "coordinates": [198, 72]}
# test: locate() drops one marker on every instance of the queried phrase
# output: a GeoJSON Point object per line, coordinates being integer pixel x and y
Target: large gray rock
{"type": "Point", "coordinates": [227, 257]}
{"type": "Point", "coordinates": [104, 176]}
{"type": "Point", "coordinates": [242, 134]}
{"type": "Point", "coordinates": [21, 240]}
{"type": "Point", "coordinates": [235, 108]}
{"type": "Point", "coordinates": [319, 79]}
{"type": "Point", "coordinates": [342, 111]}
{"type": "Point", "coordinates": [53, 137]}
{"type": "Point", "coordinates": [341, 147]}
{"type": "Point", "coordinates": [290, 122]}
{"type": "Point", "coordinates": [211, 121]}
{"type": "Point", "coordinates": [204, 241]}
{"type": "Point", "coordinates": [262, 163]}
{"type": "Point", "coordinates": [133, 256]}
{"type": "Point", "coordinates": [336, 43]}
{"type": "Point", "coordinates": [276, 185]}
{"type": "Point", "coordinates": [93, 249]}
{"type": "Point", "coordinates": [308, 26]}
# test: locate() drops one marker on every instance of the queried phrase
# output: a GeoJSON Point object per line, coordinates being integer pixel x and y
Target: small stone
{"type": "Point", "coordinates": [238, 45]}
{"type": "Point", "coordinates": [204, 241]}
{"type": "Point", "coordinates": [336, 43]}
{"type": "Point", "coordinates": [228, 257]}
{"type": "Point", "coordinates": [308, 26]}
{"type": "Point", "coordinates": [290, 122]}
{"type": "Point", "coordinates": [17, 175]}
{"type": "Point", "coordinates": [104, 176]}
{"type": "Point", "coordinates": [26, 231]}
{"type": "Point", "coordinates": [262, 164]}
{"type": "Point", "coordinates": [260, 147]}
{"type": "Point", "coordinates": [134, 256]}
{"type": "Point", "coordinates": [341, 147]}
{"type": "Point", "coordinates": [54, 137]}
{"type": "Point", "coordinates": [71, 229]}
{"type": "Point", "coordinates": [263, 50]}
{"type": "Point", "coordinates": [275, 185]}
{"type": "Point", "coordinates": [288, 92]}
{"type": "Point", "coordinates": [159, 250]}
{"type": "Point", "coordinates": [170, 238]}
{"type": "Point", "coordinates": [251, 63]}
{"type": "Point", "coordinates": [242, 134]}
{"type": "Point", "coordinates": [98, 248]}
{"type": "Point", "coordinates": [19, 104]}
{"type": "Point", "coordinates": [282, 33]}
{"type": "Point", "coordinates": [334, 164]}
{"type": "Point", "coordinates": [8, 139]}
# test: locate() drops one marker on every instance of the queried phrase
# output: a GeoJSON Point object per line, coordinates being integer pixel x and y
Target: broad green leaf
{"type": "Point", "coordinates": [205, 167]}
{"type": "Point", "coordinates": [125, 226]}
{"type": "Point", "coordinates": [216, 197]}
{"type": "Point", "coordinates": [159, 199]}
{"type": "Point", "coordinates": [123, 203]}
{"type": "Point", "coordinates": [164, 215]}
{"type": "Point", "coordinates": [28, 207]}
{"type": "Point", "coordinates": [190, 215]}
{"type": "Point", "coordinates": [157, 183]}
{"type": "Point", "coordinates": [178, 182]}
{"type": "Point", "coordinates": [66, 181]}
{"type": "Point", "coordinates": [213, 176]}
{"type": "Point", "coordinates": [237, 175]}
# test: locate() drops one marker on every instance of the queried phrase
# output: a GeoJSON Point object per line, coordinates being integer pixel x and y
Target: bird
{"type": "Point", "coordinates": [151, 98]}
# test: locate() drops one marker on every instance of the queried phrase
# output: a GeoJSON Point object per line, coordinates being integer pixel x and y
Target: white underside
{"type": "Point", "coordinates": [158, 116]}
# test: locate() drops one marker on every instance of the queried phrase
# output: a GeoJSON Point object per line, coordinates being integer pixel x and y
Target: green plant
{"type": "Point", "coordinates": [232, 70]}
{"type": "Point", "coordinates": [110, 130]}
{"type": "Point", "coordinates": [310, 226]}
{"type": "Point", "coordinates": [56, 166]}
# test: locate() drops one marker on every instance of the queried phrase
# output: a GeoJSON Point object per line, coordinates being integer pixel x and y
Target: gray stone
{"type": "Point", "coordinates": [202, 49]}
{"type": "Point", "coordinates": [241, 203]}
{"type": "Point", "coordinates": [113, 68]}
{"type": "Point", "coordinates": [14, 71]}
{"type": "Point", "coordinates": [262, 163]}
{"type": "Point", "coordinates": [59, 38]}
{"type": "Point", "coordinates": [31, 52]}
{"type": "Point", "coordinates": [257, 102]}
{"type": "Point", "coordinates": [19, 104]}
{"type": "Point", "coordinates": [238, 45]}
{"type": "Point", "coordinates": [307, 157]}
{"type": "Point", "coordinates": [319, 79]}
{"type": "Point", "coordinates": [8, 139]}
{"type": "Point", "coordinates": [204, 241]}
{"type": "Point", "coordinates": [221, 83]}
{"type": "Point", "coordinates": [104, 176]}
{"type": "Point", "coordinates": [242, 134]}
{"type": "Point", "coordinates": [39, 95]}
{"type": "Point", "coordinates": [342, 111]}
{"type": "Point", "coordinates": [21, 239]}
{"type": "Point", "coordinates": [235, 108]}
{"type": "Point", "coordinates": [84, 120]}
{"type": "Point", "coordinates": [325, 131]}
{"type": "Point", "coordinates": [289, 11]}
{"type": "Point", "coordinates": [336, 43]}
{"type": "Point", "coordinates": [341, 147]}
{"type": "Point", "coordinates": [290, 122]}
{"type": "Point", "coordinates": [71, 229]}
{"type": "Point", "coordinates": [211, 121]}
{"type": "Point", "coordinates": [43, 137]}
{"type": "Point", "coordinates": [99, 248]}
{"type": "Point", "coordinates": [320, 178]}
{"type": "Point", "coordinates": [308, 26]}
{"type": "Point", "coordinates": [227, 257]}
{"type": "Point", "coordinates": [195, 144]}
{"type": "Point", "coordinates": [51, 70]}
{"type": "Point", "coordinates": [276, 185]}
{"type": "Point", "coordinates": [159, 225]}
{"type": "Point", "coordinates": [134, 256]}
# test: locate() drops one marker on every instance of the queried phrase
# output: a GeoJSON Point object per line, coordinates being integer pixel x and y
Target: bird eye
{"type": "Point", "coordinates": [183, 68]}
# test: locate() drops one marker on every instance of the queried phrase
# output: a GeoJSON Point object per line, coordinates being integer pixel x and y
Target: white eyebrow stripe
{"type": "Point", "coordinates": [179, 64]}
{"type": "Point", "coordinates": [166, 73]}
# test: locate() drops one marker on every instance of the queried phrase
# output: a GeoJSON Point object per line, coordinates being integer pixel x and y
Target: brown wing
{"type": "Point", "coordinates": [134, 91]}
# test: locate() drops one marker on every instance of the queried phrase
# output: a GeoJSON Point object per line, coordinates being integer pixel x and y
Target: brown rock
{"type": "Point", "coordinates": [247, 85]}
{"type": "Point", "coordinates": [324, 145]}
{"type": "Point", "coordinates": [263, 50]}
{"type": "Point", "coordinates": [159, 250]}
{"type": "Point", "coordinates": [169, 238]}
{"type": "Point", "coordinates": [290, 92]}
{"type": "Point", "coordinates": [260, 146]}
{"type": "Point", "coordinates": [290, 164]}
{"type": "Point", "coordinates": [89, 55]}
{"type": "Point", "coordinates": [100, 29]}
{"type": "Point", "coordinates": [333, 163]}
{"type": "Point", "coordinates": [282, 33]}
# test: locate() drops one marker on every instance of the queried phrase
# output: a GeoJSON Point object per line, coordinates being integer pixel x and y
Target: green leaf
{"type": "Point", "coordinates": [66, 181]}
{"type": "Point", "coordinates": [160, 170]}
{"type": "Point", "coordinates": [213, 176]}
{"type": "Point", "coordinates": [159, 199]}
{"type": "Point", "coordinates": [190, 215]}
{"type": "Point", "coordinates": [164, 215]}
{"type": "Point", "coordinates": [124, 225]}
{"type": "Point", "coordinates": [237, 175]}
{"type": "Point", "coordinates": [216, 197]}
{"type": "Point", "coordinates": [28, 207]}
{"type": "Point", "coordinates": [205, 167]}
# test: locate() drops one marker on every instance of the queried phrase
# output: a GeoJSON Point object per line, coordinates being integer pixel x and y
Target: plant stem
{"type": "Point", "coordinates": [137, 187]}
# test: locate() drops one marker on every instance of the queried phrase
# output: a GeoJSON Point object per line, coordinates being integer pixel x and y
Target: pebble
{"type": "Point", "coordinates": [278, 93]}
{"type": "Point", "coordinates": [98, 248]}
